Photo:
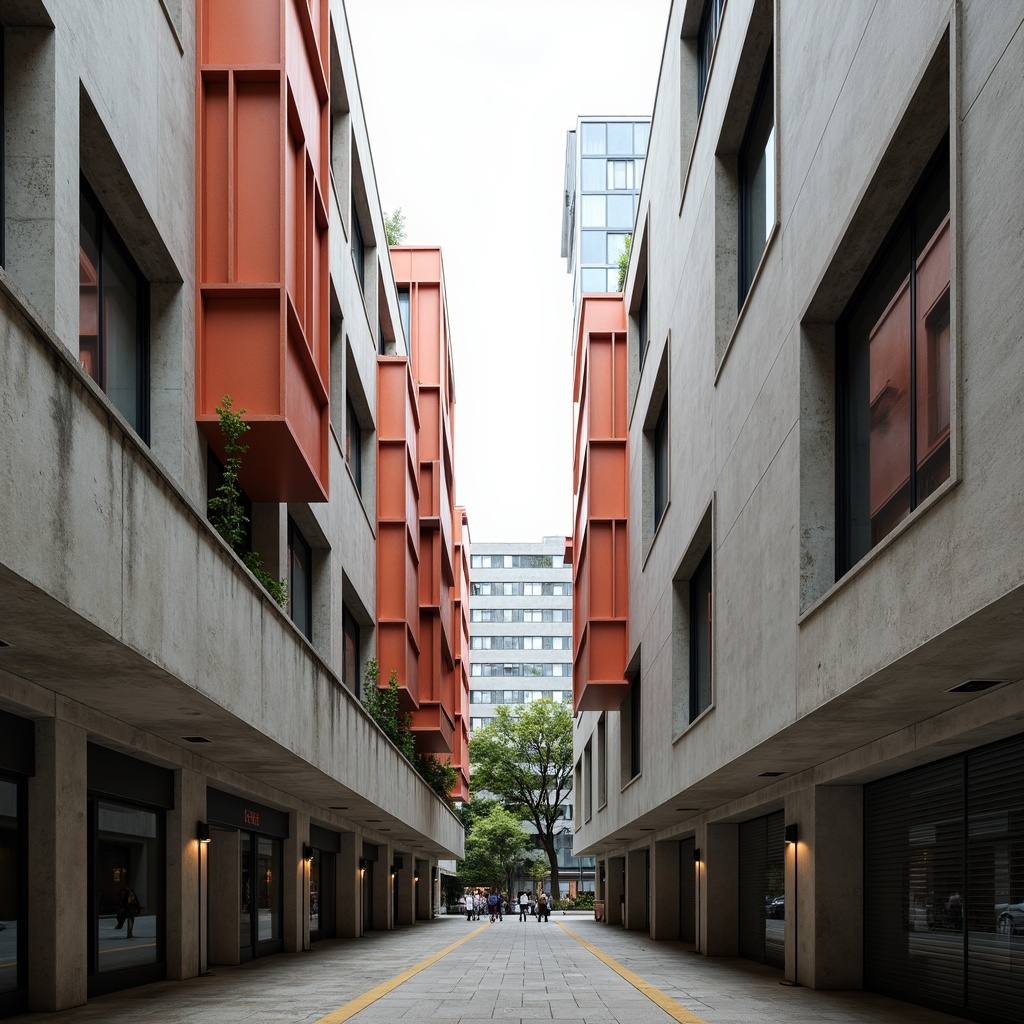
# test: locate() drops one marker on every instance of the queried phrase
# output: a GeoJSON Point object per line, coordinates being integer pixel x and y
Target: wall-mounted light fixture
{"type": "Point", "coordinates": [696, 854]}
{"type": "Point", "coordinates": [363, 862]}
{"type": "Point", "coordinates": [416, 875]}
{"type": "Point", "coordinates": [790, 835]}
{"type": "Point", "coordinates": [394, 870]}
{"type": "Point", "coordinates": [307, 851]}
{"type": "Point", "coordinates": [202, 831]}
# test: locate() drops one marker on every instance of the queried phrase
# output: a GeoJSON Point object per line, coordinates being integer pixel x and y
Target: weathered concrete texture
{"type": "Point", "coordinates": [57, 879]}
{"type": "Point", "coordinates": [826, 684]}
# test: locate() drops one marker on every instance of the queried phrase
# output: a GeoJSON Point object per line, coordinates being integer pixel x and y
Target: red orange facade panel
{"type": "Point", "coordinates": [599, 546]}
{"type": "Point", "coordinates": [262, 321]}
{"type": "Point", "coordinates": [417, 484]}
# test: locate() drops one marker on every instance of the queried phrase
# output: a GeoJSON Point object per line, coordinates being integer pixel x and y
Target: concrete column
{"type": "Point", "coordinates": [665, 891]}
{"type": "Point", "coordinates": [382, 910]}
{"type": "Point", "coordinates": [223, 894]}
{"type": "Point", "coordinates": [348, 887]}
{"type": "Point", "coordinates": [637, 888]}
{"type": "Point", "coordinates": [830, 890]}
{"type": "Point", "coordinates": [295, 909]}
{"type": "Point", "coordinates": [719, 891]}
{"type": "Point", "coordinates": [615, 883]}
{"type": "Point", "coordinates": [187, 952]}
{"type": "Point", "coordinates": [403, 883]}
{"type": "Point", "coordinates": [58, 883]}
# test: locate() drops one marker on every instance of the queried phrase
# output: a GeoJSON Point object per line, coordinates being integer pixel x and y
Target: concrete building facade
{"type": "Point", "coordinates": [189, 212]}
{"type": "Point", "coordinates": [807, 725]}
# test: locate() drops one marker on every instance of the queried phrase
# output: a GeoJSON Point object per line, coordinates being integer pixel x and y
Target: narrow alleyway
{"type": "Point", "coordinates": [571, 970]}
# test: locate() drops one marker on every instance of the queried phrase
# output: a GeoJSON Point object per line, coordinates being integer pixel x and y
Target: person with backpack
{"type": "Point", "coordinates": [494, 906]}
{"type": "Point", "coordinates": [543, 907]}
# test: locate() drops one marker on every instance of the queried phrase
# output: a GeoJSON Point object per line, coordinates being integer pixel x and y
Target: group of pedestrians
{"type": "Point", "coordinates": [474, 902]}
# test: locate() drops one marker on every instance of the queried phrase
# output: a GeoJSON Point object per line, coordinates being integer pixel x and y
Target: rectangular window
{"type": "Point", "coordinates": [661, 463]}
{"type": "Point", "coordinates": [756, 169]}
{"type": "Point", "coordinates": [358, 249]}
{"type": "Point", "coordinates": [641, 133]}
{"type": "Point", "coordinates": [620, 212]}
{"type": "Point", "coordinates": [588, 781]}
{"type": "Point", "coordinates": [113, 302]}
{"type": "Point", "coordinates": [710, 19]}
{"type": "Point", "coordinates": [354, 445]}
{"type": "Point", "coordinates": [893, 373]}
{"type": "Point", "coordinates": [620, 174]}
{"type": "Point", "coordinates": [592, 175]}
{"type": "Point", "coordinates": [350, 655]}
{"type": "Point", "coordinates": [592, 214]}
{"type": "Point", "coordinates": [593, 280]}
{"type": "Point", "coordinates": [602, 761]}
{"type": "Point", "coordinates": [620, 137]}
{"type": "Point", "coordinates": [592, 247]}
{"type": "Point", "coordinates": [635, 734]}
{"type": "Point", "coordinates": [616, 245]}
{"type": "Point", "coordinates": [700, 637]}
{"type": "Point", "coordinates": [300, 580]}
{"type": "Point", "coordinates": [641, 325]}
{"type": "Point", "coordinates": [3, 158]}
{"type": "Point", "coordinates": [13, 890]}
{"type": "Point", "coordinates": [592, 142]}
{"type": "Point", "coordinates": [404, 314]}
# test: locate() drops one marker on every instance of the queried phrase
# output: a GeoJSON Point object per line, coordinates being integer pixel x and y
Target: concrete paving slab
{"type": "Point", "coordinates": [503, 974]}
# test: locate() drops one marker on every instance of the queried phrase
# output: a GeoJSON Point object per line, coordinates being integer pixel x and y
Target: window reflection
{"type": "Point", "coordinates": [10, 884]}
{"type": "Point", "coordinates": [128, 861]}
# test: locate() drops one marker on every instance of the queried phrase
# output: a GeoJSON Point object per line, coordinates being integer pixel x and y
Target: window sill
{"type": "Point", "coordinates": [747, 301]}
{"type": "Point", "coordinates": [692, 725]}
{"type": "Point", "coordinates": [654, 536]}
{"type": "Point", "coordinates": [878, 550]}
{"type": "Point", "coordinates": [639, 775]}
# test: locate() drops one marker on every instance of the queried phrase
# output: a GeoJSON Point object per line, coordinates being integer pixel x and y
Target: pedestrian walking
{"type": "Point", "coordinates": [524, 904]}
{"type": "Point", "coordinates": [127, 909]}
{"type": "Point", "coordinates": [543, 908]}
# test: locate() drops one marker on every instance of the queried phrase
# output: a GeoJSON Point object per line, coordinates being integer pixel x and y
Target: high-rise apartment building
{"type": "Point", "coordinates": [521, 645]}
{"type": "Point", "coordinates": [604, 165]}
{"type": "Point", "coordinates": [798, 562]}
{"type": "Point", "coordinates": [189, 213]}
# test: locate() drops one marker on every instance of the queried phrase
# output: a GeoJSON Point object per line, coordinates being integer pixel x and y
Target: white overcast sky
{"type": "Point", "coordinates": [467, 104]}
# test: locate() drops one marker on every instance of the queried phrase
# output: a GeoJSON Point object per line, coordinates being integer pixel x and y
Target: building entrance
{"type": "Point", "coordinates": [246, 878]}
{"type": "Point", "coordinates": [762, 931]}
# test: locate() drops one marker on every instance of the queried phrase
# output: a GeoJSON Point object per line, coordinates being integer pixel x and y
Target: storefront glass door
{"type": "Point", "coordinates": [261, 895]}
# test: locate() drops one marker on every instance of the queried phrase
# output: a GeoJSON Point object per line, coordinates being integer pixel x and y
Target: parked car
{"type": "Point", "coordinates": [776, 908]}
{"type": "Point", "coordinates": [1010, 917]}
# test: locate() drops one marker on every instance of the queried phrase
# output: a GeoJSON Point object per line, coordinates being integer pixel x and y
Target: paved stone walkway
{"type": "Point", "coordinates": [509, 972]}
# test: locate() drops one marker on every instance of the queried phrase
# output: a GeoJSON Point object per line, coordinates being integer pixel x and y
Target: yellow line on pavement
{"type": "Point", "coordinates": [669, 1005]}
{"type": "Point", "coordinates": [343, 1013]}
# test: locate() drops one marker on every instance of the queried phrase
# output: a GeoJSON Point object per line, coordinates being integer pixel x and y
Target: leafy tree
{"type": "Point", "coordinates": [495, 849]}
{"type": "Point", "coordinates": [524, 757]}
{"type": "Point", "coordinates": [624, 262]}
{"type": "Point", "coordinates": [394, 227]}
{"type": "Point", "coordinates": [225, 509]}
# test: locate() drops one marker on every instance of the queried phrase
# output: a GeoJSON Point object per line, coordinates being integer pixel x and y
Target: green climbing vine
{"type": "Point", "coordinates": [225, 508]}
{"type": "Point", "coordinates": [384, 707]}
